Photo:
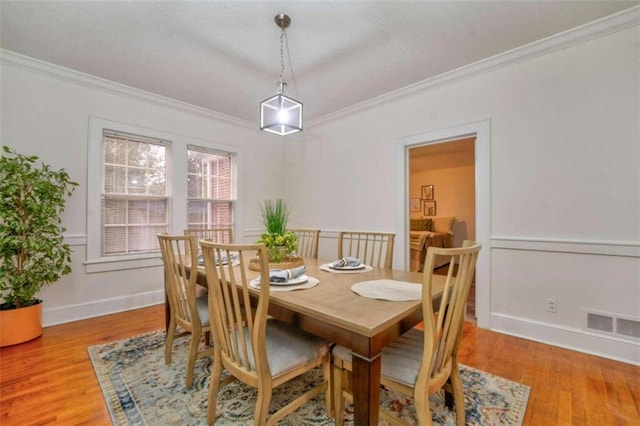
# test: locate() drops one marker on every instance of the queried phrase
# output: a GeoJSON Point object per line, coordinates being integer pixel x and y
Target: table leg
{"type": "Point", "coordinates": [366, 388]}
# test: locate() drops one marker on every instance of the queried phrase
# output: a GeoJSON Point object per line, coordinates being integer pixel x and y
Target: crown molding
{"type": "Point", "coordinates": [581, 34]}
{"type": "Point", "coordinates": [17, 60]}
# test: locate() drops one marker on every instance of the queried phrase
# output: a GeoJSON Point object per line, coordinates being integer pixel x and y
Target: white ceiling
{"type": "Point", "coordinates": [225, 55]}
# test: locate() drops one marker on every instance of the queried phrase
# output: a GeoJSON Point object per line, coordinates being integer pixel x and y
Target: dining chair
{"type": "Point", "coordinates": [372, 248]}
{"type": "Point", "coordinates": [421, 362]}
{"type": "Point", "coordinates": [186, 310]}
{"type": "Point", "coordinates": [219, 235]}
{"type": "Point", "coordinates": [258, 350]}
{"type": "Point", "coordinates": [307, 242]}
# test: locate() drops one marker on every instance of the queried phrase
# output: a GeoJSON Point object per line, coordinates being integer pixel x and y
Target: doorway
{"type": "Point", "coordinates": [442, 184]}
{"type": "Point", "coordinates": [479, 130]}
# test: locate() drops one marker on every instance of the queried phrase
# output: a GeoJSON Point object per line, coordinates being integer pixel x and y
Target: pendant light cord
{"type": "Point", "coordinates": [284, 47]}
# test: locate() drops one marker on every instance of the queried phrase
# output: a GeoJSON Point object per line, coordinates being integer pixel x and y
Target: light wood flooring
{"type": "Point", "coordinates": [50, 380]}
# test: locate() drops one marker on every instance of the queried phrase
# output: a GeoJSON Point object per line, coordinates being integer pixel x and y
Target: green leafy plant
{"type": "Point", "coordinates": [32, 199]}
{"type": "Point", "coordinates": [275, 215]}
{"type": "Point", "coordinates": [279, 242]}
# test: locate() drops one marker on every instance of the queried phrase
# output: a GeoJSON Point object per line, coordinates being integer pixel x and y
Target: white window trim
{"type": "Point", "coordinates": [95, 261]}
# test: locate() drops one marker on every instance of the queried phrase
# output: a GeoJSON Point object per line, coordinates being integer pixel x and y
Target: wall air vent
{"type": "Point", "coordinates": [605, 322]}
{"type": "Point", "coordinates": [628, 327]}
{"type": "Point", "coordinates": [599, 322]}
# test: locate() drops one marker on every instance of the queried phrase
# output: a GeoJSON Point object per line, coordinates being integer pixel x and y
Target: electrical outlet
{"type": "Point", "coordinates": [552, 305]}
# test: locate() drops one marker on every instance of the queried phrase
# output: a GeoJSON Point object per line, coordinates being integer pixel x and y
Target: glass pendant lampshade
{"type": "Point", "coordinates": [281, 114]}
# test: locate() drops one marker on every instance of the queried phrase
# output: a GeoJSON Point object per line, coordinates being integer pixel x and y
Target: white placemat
{"type": "Point", "coordinates": [388, 290]}
{"type": "Point", "coordinates": [326, 267]}
{"type": "Point", "coordinates": [311, 282]}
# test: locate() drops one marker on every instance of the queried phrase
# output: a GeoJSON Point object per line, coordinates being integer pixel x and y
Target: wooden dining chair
{"type": "Point", "coordinates": [186, 309]}
{"type": "Point", "coordinates": [372, 248]}
{"type": "Point", "coordinates": [420, 363]}
{"type": "Point", "coordinates": [307, 242]}
{"type": "Point", "coordinates": [257, 350]}
{"type": "Point", "coordinates": [219, 235]}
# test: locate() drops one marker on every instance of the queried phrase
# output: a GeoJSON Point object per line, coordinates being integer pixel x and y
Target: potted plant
{"type": "Point", "coordinates": [32, 199]}
{"type": "Point", "coordinates": [280, 243]}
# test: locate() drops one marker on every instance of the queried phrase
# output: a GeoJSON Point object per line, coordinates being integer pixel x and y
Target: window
{"type": "Point", "coordinates": [209, 190]}
{"type": "Point", "coordinates": [139, 184]}
{"type": "Point", "coordinates": [134, 197]}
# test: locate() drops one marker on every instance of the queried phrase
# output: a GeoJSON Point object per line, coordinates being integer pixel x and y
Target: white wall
{"type": "Point", "coordinates": [564, 181]}
{"type": "Point", "coordinates": [46, 110]}
{"type": "Point", "coordinates": [564, 177]}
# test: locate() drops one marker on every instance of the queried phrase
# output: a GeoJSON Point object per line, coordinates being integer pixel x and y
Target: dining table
{"type": "Point", "coordinates": [333, 311]}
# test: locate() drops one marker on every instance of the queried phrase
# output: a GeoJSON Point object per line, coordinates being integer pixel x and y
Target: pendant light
{"type": "Point", "coordinates": [281, 114]}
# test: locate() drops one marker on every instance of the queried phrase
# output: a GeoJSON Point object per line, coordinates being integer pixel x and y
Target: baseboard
{"type": "Point", "coordinates": [63, 314]}
{"type": "Point", "coordinates": [569, 338]}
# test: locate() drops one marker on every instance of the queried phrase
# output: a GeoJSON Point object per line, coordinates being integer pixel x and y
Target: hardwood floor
{"type": "Point", "coordinates": [50, 380]}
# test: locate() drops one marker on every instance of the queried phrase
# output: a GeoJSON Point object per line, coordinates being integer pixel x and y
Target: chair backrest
{"type": "Point", "coordinates": [372, 248]}
{"type": "Point", "coordinates": [179, 253]}
{"type": "Point", "coordinates": [239, 333]}
{"type": "Point", "coordinates": [442, 332]}
{"type": "Point", "coordinates": [218, 235]}
{"type": "Point", "coordinates": [307, 242]}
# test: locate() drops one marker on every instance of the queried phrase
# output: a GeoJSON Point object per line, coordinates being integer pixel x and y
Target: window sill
{"type": "Point", "coordinates": [119, 263]}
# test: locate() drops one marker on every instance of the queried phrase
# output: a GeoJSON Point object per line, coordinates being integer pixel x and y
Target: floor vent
{"type": "Point", "coordinates": [611, 324]}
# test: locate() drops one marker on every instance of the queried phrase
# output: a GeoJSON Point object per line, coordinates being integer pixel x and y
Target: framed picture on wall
{"type": "Point", "coordinates": [415, 204]}
{"type": "Point", "coordinates": [427, 192]}
{"type": "Point", "coordinates": [429, 208]}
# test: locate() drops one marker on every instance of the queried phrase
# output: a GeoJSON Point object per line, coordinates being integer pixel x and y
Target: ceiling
{"type": "Point", "coordinates": [225, 55]}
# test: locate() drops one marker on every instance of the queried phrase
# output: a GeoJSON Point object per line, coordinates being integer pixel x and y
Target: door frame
{"type": "Point", "coordinates": [481, 132]}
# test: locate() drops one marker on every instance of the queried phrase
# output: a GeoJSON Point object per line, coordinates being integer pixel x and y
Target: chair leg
{"type": "Point", "coordinates": [214, 387]}
{"type": "Point", "coordinates": [262, 406]}
{"type": "Point", "coordinates": [328, 396]}
{"type": "Point", "coordinates": [171, 332]}
{"type": "Point", "coordinates": [458, 395]}
{"type": "Point", "coordinates": [191, 357]}
{"type": "Point", "coordinates": [338, 399]}
{"type": "Point", "coordinates": [423, 411]}
{"type": "Point", "coordinates": [448, 400]}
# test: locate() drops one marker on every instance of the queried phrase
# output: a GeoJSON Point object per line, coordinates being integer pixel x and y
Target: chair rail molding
{"type": "Point", "coordinates": [604, 248]}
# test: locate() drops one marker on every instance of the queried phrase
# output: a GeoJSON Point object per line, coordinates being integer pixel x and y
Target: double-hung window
{"type": "Point", "coordinates": [209, 190]}
{"type": "Point", "coordinates": [142, 182]}
{"type": "Point", "coordinates": [134, 198]}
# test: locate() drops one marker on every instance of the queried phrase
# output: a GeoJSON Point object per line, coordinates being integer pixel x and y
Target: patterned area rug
{"type": "Point", "coordinates": [139, 389]}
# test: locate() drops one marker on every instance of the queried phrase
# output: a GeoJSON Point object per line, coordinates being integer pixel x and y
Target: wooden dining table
{"type": "Point", "coordinates": [333, 311]}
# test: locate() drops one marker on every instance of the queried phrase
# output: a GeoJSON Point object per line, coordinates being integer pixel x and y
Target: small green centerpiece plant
{"type": "Point", "coordinates": [280, 243]}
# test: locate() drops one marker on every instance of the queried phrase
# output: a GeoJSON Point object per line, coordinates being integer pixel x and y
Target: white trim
{"type": "Point", "coordinates": [604, 248]}
{"type": "Point", "coordinates": [600, 28]}
{"type": "Point", "coordinates": [17, 60]}
{"type": "Point", "coordinates": [119, 263]}
{"type": "Point", "coordinates": [98, 308]}
{"type": "Point", "coordinates": [570, 338]}
{"type": "Point", "coordinates": [481, 131]}
{"type": "Point", "coordinates": [75, 240]}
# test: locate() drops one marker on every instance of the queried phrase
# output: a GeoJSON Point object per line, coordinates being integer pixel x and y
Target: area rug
{"type": "Point", "coordinates": [139, 389]}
